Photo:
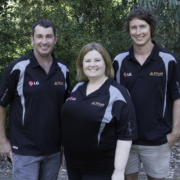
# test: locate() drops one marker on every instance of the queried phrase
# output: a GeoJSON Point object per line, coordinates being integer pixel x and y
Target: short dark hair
{"type": "Point", "coordinates": [143, 14]}
{"type": "Point", "coordinates": [43, 23]}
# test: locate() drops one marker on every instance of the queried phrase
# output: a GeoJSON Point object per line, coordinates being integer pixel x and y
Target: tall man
{"type": "Point", "coordinates": [36, 86]}
{"type": "Point", "coordinates": [152, 76]}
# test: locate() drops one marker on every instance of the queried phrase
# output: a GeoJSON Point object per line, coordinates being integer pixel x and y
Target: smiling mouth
{"type": "Point", "coordinates": [93, 70]}
{"type": "Point", "coordinates": [44, 48]}
{"type": "Point", "coordinates": [139, 38]}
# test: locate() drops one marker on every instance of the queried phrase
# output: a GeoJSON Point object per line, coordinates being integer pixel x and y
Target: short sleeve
{"type": "Point", "coordinates": [124, 116]}
{"type": "Point", "coordinates": [8, 85]}
{"type": "Point", "coordinates": [174, 79]}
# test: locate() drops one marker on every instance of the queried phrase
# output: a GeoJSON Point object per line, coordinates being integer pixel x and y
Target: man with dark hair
{"type": "Point", "coordinates": [152, 76]}
{"type": "Point", "coordinates": [43, 23]}
{"type": "Point", "coordinates": [36, 86]}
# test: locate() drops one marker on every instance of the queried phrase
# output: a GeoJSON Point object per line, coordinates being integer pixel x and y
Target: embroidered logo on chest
{"type": "Point", "coordinates": [58, 83]}
{"type": "Point", "coordinates": [71, 99]}
{"type": "Point", "coordinates": [31, 83]}
{"type": "Point", "coordinates": [156, 74]}
{"type": "Point", "coordinates": [127, 74]}
{"type": "Point", "coordinates": [97, 104]}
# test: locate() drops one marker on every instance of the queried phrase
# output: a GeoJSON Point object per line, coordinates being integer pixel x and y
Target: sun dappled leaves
{"type": "Point", "coordinates": [79, 22]}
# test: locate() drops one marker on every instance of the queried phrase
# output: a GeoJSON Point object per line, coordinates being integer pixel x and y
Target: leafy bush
{"type": "Point", "coordinates": [79, 22]}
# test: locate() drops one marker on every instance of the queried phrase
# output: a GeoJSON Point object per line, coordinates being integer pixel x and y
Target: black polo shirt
{"type": "Point", "coordinates": [153, 88]}
{"type": "Point", "coordinates": [91, 126]}
{"type": "Point", "coordinates": [35, 102]}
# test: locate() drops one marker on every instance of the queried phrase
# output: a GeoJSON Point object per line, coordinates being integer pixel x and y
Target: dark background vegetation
{"type": "Point", "coordinates": [79, 22]}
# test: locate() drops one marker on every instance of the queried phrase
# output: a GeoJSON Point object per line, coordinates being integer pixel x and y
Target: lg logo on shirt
{"type": "Point", "coordinates": [71, 99]}
{"type": "Point", "coordinates": [31, 83]}
{"type": "Point", "coordinates": [127, 74]}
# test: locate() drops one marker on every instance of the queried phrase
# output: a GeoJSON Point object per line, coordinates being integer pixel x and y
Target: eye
{"type": "Point", "coordinates": [133, 27]}
{"type": "Point", "coordinates": [97, 60]}
{"type": "Point", "coordinates": [49, 36]}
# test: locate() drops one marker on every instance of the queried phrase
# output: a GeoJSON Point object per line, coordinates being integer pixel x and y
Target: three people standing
{"type": "Point", "coordinates": [98, 119]}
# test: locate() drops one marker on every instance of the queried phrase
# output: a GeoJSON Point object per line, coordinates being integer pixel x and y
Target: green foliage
{"type": "Point", "coordinates": [3, 6]}
{"type": "Point", "coordinates": [79, 22]}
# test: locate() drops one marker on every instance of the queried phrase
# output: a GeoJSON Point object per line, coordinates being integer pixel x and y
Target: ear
{"type": "Point", "coordinates": [32, 39]}
{"type": "Point", "coordinates": [55, 39]}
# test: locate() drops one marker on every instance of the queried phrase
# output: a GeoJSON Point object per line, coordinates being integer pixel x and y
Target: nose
{"type": "Point", "coordinates": [138, 31]}
{"type": "Point", "coordinates": [92, 63]}
{"type": "Point", "coordinates": [44, 41]}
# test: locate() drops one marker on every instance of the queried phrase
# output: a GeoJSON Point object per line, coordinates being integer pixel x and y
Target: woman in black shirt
{"type": "Point", "coordinates": [98, 120]}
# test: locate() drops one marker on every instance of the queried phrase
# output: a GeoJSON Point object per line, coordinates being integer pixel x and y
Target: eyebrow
{"type": "Point", "coordinates": [90, 58]}
{"type": "Point", "coordinates": [46, 34]}
{"type": "Point", "coordinates": [139, 24]}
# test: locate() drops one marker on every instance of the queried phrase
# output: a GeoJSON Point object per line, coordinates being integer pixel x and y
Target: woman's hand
{"type": "Point", "coordinates": [117, 175]}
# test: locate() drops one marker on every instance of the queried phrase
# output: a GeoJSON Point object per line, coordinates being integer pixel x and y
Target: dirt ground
{"type": "Point", "coordinates": [6, 167]}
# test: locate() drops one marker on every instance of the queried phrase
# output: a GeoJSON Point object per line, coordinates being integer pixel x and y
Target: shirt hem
{"type": "Point", "coordinates": [145, 143]}
{"type": "Point", "coordinates": [35, 154]}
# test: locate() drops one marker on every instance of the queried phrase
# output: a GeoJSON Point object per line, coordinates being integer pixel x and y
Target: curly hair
{"type": "Point", "coordinates": [143, 14]}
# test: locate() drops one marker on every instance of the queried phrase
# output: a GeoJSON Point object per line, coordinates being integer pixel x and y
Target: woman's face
{"type": "Point", "coordinates": [94, 65]}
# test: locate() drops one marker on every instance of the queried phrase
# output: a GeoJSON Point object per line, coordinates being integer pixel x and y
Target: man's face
{"type": "Point", "coordinates": [140, 32]}
{"type": "Point", "coordinates": [43, 41]}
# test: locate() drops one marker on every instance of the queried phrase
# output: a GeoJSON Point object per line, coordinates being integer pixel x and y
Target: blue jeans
{"type": "Point", "coordinates": [36, 167]}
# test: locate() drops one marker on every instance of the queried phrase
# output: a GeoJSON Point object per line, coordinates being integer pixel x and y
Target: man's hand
{"type": "Point", "coordinates": [5, 149]}
{"type": "Point", "coordinates": [174, 135]}
{"type": "Point", "coordinates": [172, 139]}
